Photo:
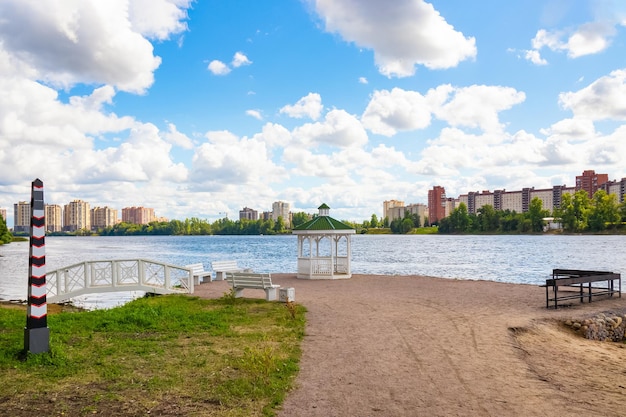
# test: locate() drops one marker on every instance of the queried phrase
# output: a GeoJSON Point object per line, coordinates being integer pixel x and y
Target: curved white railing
{"type": "Point", "coordinates": [117, 275]}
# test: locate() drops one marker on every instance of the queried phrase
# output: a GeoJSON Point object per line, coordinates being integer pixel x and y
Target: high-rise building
{"type": "Point", "coordinates": [615, 187]}
{"type": "Point", "coordinates": [590, 181]}
{"type": "Point", "coordinates": [3, 213]}
{"type": "Point", "coordinates": [102, 217]}
{"type": "Point", "coordinates": [388, 209]}
{"type": "Point", "coordinates": [138, 215]}
{"type": "Point", "coordinates": [248, 214]}
{"type": "Point", "coordinates": [436, 204]}
{"type": "Point", "coordinates": [54, 218]}
{"type": "Point", "coordinates": [281, 209]}
{"type": "Point", "coordinates": [21, 217]}
{"type": "Point", "coordinates": [76, 216]}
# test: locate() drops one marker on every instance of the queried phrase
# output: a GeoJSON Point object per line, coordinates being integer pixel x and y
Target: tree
{"type": "Point", "coordinates": [279, 227]}
{"type": "Point", "coordinates": [5, 234]}
{"type": "Point", "coordinates": [535, 214]}
{"type": "Point", "coordinates": [457, 222]}
{"type": "Point", "coordinates": [574, 211]}
{"type": "Point", "coordinates": [604, 210]}
{"type": "Point", "coordinates": [488, 219]}
{"type": "Point", "coordinates": [299, 218]}
{"type": "Point", "coordinates": [374, 220]}
{"type": "Point", "coordinates": [406, 226]}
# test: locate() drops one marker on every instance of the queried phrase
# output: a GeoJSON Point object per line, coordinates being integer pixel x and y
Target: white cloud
{"type": "Point", "coordinates": [308, 106]}
{"type": "Point", "coordinates": [604, 99]}
{"type": "Point", "coordinates": [576, 128]}
{"type": "Point", "coordinates": [158, 19]}
{"type": "Point", "coordinates": [476, 106]}
{"type": "Point", "coordinates": [254, 113]}
{"type": "Point", "coordinates": [534, 56]}
{"type": "Point", "coordinates": [363, 80]}
{"type": "Point", "coordinates": [87, 41]}
{"type": "Point", "coordinates": [402, 33]}
{"type": "Point", "coordinates": [339, 129]}
{"type": "Point", "coordinates": [391, 111]}
{"type": "Point", "coordinates": [587, 39]}
{"type": "Point", "coordinates": [225, 160]}
{"type": "Point", "coordinates": [274, 135]}
{"type": "Point", "coordinates": [239, 59]}
{"type": "Point", "coordinates": [218, 67]}
{"type": "Point", "coordinates": [177, 138]}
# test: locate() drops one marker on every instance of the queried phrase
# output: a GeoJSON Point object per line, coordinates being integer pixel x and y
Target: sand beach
{"type": "Point", "coordinates": [425, 346]}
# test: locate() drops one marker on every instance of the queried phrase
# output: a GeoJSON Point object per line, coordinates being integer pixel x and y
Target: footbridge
{"type": "Point", "coordinates": [117, 275]}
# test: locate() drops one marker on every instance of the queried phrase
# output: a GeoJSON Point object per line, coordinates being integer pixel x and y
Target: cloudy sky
{"type": "Point", "coordinates": [198, 109]}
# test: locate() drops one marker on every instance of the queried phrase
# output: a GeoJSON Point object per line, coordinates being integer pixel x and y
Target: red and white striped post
{"type": "Point", "coordinates": [36, 333]}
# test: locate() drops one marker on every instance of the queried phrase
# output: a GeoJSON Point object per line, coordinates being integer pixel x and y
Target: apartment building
{"type": "Point", "coordinates": [388, 206]}
{"type": "Point", "coordinates": [399, 212]}
{"type": "Point", "coordinates": [76, 216]}
{"type": "Point", "coordinates": [615, 187]}
{"type": "Point", "coordinates": [3, 213]}
{"type": "Point", "coordinates": [248, 214]}
{"type": "Point", "coordinates": [281, 209]}
{"type": "Point", "coordinates": [21, 217]}
{"type": "Point", "coordinates": [436, 204]}
{"type": "Point", "coordinates": [138, 215]}
{"type": "Point", "coordinates": [54, 218]}
{"type": "Point", "coordinates": [590, 182]}
{"type": "Point", "coordinates": [102, 217]}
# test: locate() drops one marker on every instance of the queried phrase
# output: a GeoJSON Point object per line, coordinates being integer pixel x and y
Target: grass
{"type": "Point", "coordinates": [167, 355]}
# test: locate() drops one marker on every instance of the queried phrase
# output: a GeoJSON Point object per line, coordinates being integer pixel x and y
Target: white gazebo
{"type": "Point", "coordinates": [323, 247]}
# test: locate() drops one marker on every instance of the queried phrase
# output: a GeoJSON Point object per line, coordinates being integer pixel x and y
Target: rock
{"type": "Point", "coordinates": [576, 326]}
{"type": "Point", "coordinates": [568, 322]}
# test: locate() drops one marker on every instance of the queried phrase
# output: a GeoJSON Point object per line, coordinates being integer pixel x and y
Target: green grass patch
{"type": "Point", "coordinates": [167, 355]}
{"type": "Point", "coordinates": [431, 230]}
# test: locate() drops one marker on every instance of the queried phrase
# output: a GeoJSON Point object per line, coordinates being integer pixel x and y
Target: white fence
{"type": "Point", "coordinates": [117, 275]}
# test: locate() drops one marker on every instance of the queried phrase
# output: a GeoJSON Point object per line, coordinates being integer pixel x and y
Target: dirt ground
{"type": "Point", "coordinates": [422, 346]}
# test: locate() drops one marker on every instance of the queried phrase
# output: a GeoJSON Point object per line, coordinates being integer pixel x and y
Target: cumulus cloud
{"type": "Point", "coordinates": [87, 41]}
{"type": "Point", "coordinates": [177, 138]}
{"type": "Point", "coordinates": [391, 111]}
{"type": "Point", "coordinates": [226, 159]}
{"type": "Point", "coordinates": [604, 99]}
{"type": "Point", "coordinates": [239, 59]}
{"type": "Point", "coordinates": [218, 67]}
{"type": "Point", "coordinates": [363, 80]}
{"type": "Point", "coordinates": [476, 106]}
{"type": "Point", "coordinates": [339, 129]}
{"type": "Point", "coordinates": [586, 39]}
{"type": "Point", "coordinates": [308, 106]}
{"type": "Point", "coordinates": [402, 33]}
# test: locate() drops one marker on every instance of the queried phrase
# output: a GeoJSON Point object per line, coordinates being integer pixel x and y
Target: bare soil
{"type": "Point", "coordinates": [423, 346]}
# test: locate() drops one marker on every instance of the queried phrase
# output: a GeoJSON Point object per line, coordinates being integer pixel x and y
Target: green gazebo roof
{"type": "Point", "coordinates": [323, 222]}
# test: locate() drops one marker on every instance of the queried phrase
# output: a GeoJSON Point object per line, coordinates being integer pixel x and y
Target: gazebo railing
{"type": "Point", "coordinates": [323, 266]}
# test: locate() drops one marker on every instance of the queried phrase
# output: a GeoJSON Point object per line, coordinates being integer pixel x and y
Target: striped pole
{"type": "Point", "coordinates": [36, 333]}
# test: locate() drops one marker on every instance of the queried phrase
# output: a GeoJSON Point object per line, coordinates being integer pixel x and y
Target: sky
{"type": "Point", "coordinates": [201, 108]}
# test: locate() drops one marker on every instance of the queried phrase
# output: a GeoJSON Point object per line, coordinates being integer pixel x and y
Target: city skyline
{"type": "Point", "coordinates": [201, 108]}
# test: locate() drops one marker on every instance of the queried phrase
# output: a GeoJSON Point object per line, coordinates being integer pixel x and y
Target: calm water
{"type": "Point", "coordinates": [517, 259]}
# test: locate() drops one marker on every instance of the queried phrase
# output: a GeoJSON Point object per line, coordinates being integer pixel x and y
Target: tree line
{"type": "Point", "coordinates": [577, 213]}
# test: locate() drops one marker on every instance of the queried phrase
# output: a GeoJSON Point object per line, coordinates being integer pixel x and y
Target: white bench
{"type": "Point", "coordinates": [222, 267]}
{"type": "Point", "coordinates": [198, 272]}
{"type": "Point", "coordinates": [250, 280]}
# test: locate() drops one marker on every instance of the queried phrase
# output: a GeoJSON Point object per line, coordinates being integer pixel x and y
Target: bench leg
{"type": "Point", "coordinates": [220, 276]}
{"type": "Point", "coordinates": [271, 294]}
{"type": "Point", "coordinates": [238, 292]}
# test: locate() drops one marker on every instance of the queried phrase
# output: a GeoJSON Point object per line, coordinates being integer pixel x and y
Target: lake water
{"type": "Point", "coordinates": [516, 259]}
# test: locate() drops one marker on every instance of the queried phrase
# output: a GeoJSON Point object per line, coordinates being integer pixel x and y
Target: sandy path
{"type": "Point", "coordinates": [413, 346]}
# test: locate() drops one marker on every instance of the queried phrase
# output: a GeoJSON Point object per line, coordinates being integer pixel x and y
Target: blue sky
{"type": "Point", "coordinates": [201, 108]}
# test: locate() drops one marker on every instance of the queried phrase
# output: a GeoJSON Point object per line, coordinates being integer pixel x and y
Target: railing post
{"type": "Point", "coordinates": [166, 277]}
{"type": "Point", "coordinates": [115, 273]}
{"type": "Point", "coordinates": [141, 273]}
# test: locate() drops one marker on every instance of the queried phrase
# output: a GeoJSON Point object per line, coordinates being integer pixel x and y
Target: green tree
{"type": "Point", "coordinates": [299, 218]}
{"type": "Point", "coordinates": [406, 225]}
{"type": "Point", "coordinates": [536, 214]}
{"type": "Point", "coordinates": [386, 221]}
{"type": "Point", "coordinates": [488, 219]}
{"type": "Point", "coordinates": [574, 211]}
{"type": "Point", "coordinates": [458, 221]}
{"type": "Point", "coordinates": [374, 220]}
{"type": "Point", "coordinates": [279, 227]}
{"type": "Point", "coordinates": [5, 234]}
{"type": "Point", "coordinates": [604, 210]}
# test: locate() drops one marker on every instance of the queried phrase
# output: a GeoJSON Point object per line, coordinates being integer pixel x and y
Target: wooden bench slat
{"type": "Point", "coordinates": [250, 280]}
{"type": "Point", "coordinates": [572, 278]}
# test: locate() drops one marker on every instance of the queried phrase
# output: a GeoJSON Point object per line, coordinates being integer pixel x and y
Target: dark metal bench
{"type": "Point", "coordinates": [581, 280]}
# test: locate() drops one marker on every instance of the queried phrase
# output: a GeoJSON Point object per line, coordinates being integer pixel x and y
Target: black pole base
{"type": "Point", "coordinates": [37, 340]}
